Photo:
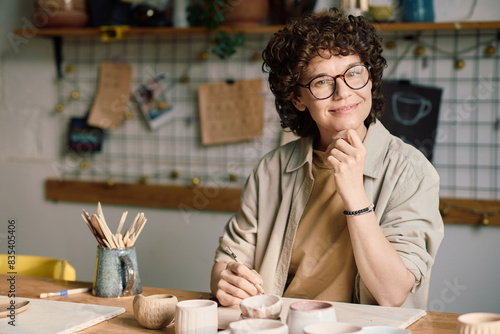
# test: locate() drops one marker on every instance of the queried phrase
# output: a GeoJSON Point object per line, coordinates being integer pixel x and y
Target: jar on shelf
{"type": "Point", "coordinates": [417, 10]}
{"type": "Point", "coordinates": [60, 13]}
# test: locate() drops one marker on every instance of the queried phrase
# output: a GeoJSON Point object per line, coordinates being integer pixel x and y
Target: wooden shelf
{"type": "Point", "coordinates": [138, 31]}
{"type": "Point", "coordinates": [461, 211]}
{"type": "Point", "coordinates": [426, 26]}
{"type": "Point", "coordinates": [136, 194]}
{"type": "Point", "coordinates": [219, 199]}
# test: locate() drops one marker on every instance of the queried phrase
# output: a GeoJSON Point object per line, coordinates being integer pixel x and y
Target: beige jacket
{"type": "Point", "coordinates": [398, 179]}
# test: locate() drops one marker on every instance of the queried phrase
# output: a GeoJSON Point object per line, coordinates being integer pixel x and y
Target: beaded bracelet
{"type": "Point", "coordinates": [360, 212]}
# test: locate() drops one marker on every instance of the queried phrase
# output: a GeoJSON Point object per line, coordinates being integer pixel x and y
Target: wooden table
{"type": "Point", "coordinates": [31, 287]}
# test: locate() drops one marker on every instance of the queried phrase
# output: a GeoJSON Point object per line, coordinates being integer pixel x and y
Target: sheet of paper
{"type": "Point", "coordinates": [54, 317]}
{"type": "Point", "coordinates": [358, 314]}
{"type": "Point", "coordinates": [112, 96]}
{"type": "Point", "coordinates": [231, 112]}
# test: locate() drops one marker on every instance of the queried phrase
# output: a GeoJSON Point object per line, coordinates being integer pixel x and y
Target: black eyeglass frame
{"type": "Point", "coordinates": [308, 85]}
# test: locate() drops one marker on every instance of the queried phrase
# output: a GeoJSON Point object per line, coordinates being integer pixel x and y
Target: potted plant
{"type": "Point", "coordinates": [213, 13]}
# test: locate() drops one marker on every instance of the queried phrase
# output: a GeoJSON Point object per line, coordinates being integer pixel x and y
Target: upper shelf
{"type": "Point", "coordinates": [134, 31]}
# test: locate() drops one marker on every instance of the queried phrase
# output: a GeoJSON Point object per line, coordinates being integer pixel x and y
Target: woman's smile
{"type": "Point", "coordinates": [345, 109]}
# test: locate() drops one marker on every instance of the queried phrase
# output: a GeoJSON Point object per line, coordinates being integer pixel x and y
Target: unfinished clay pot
{"type": "Point", "coordinates": [155, 311]}
{"type": "Point", "coordinates": [265, 306]}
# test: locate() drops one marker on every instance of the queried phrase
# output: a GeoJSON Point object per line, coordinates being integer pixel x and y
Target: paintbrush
{"type": "Point", "coordinates": [230, 252]}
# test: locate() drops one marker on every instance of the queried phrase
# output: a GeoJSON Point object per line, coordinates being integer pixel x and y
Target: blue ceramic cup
{"type": "Point", "coordinates": [116, 273]}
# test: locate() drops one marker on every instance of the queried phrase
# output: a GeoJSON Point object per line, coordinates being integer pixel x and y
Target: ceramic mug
{"type": "Point", "coordinates": [116, 273]}
{"type": "Point", "coordinates": [260, 326]}
{"type": "Point", "coordinates": [304, 313]}
{"type": "Point", "coordinates": [330, 327]}
{"type": "Point", "coordinates": [197, 316]}
{"type": "Point", "coordinates": [479, 323]}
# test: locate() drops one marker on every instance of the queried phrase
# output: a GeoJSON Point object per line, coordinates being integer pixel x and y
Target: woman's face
{"type": "Point", "coordinates": [345, 109]}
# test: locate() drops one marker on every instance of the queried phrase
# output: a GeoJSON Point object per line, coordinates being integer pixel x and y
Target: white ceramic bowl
{"type": "Point", "coordinates": [307, 312]}
{"type": "Point", "coordinates": [478, 323]}
{"type": "Point", "coordinates": [261, 326]}
{"type": "Point", "coordinates": [331, 327]}
{"type": "Point", "coordinates": [265, 306]}
{"type": "Point", "coordinates": [384, 330]}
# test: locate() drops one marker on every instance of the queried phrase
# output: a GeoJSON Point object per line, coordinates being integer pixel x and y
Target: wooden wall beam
{"type": "Point", "coordinates": [470, 211]}
{"type": "Point", "coordinates": [454, 210]}
{"type": "Point", "coordinates": [137, 194]}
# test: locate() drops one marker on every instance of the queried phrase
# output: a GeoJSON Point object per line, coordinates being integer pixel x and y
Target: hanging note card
{"type": "Point", "coordinates": [113, 93]}
{"type": "Point", "coordinates": [231, 111]}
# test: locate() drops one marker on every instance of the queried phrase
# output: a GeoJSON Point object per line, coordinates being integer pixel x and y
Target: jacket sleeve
{"type": "Point", "coordinates": [412, 222]}
{"type": "Point", "coordinates": [408, 211]}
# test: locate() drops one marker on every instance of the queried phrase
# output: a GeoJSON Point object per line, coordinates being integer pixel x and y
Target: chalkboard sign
{"type": "Point", "coordinates": [411, 113]}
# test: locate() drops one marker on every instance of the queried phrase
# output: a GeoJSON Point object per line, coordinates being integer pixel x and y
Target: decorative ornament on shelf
{"type": "Point", "coordinates": [204, 55]}
{"type": "Point", "coordinates": [490, 50]}
{"type": "Point", "coordinates": [390, 45]}
{"type": "Point", "coordinates": [195, 181]}
{"type": "Point", "coordinates": [459, 64]}
{"type": "Point", "coordinates": [419, 50]}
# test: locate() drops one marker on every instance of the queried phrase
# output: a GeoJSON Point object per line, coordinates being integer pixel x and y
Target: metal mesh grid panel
{"type": "Point", "coordinates": [173, 153]}
{"type": "Point", "coordinates": [466, 151]}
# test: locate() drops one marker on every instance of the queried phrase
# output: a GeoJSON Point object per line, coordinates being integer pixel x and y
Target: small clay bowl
{"type": "Point", "coordinates": [265, 306]}
{"type": "Point", "coordinates": [156, 311]}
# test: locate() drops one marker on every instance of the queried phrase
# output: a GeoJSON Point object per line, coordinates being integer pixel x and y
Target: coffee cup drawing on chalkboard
{"type": "Point", "coordinates": [410, 107]}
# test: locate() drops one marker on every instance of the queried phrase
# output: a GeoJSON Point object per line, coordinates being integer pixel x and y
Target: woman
{"type": "Point", "coordinates": [348, 212]}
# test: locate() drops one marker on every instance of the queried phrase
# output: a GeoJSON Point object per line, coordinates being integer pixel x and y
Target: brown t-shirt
{"type": "Point", "coordinates": [322, 266]}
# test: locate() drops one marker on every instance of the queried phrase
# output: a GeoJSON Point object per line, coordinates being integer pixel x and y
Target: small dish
{"type": "Point", "coordinates": [264, 306]}
{"type": "Point", "coordinates": [9, 306]}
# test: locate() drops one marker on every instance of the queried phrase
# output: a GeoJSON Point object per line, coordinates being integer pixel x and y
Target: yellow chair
{"type": "Point", "coordinates": [39, 266]}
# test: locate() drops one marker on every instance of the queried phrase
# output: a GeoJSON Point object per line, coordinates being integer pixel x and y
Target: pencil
{"type": "Point", "coordinates": [230, 252]}
{"type": "Point", "coordinates": [64, 292]}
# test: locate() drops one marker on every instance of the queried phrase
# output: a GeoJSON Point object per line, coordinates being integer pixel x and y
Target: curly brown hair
{"type": "Point", "coordinates": [290, 50]}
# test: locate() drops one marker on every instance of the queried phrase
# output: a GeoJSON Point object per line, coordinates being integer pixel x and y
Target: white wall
{"type": "Point", "coordinates": [174, 251]}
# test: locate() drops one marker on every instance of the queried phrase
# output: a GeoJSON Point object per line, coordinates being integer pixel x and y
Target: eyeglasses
{"type": "Point", "coordinates": [324, 86]}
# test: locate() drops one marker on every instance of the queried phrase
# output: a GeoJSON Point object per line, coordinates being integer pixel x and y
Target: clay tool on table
{"type": "Point", "coordinates": [64, 292]}
{"type": "Point", "coordinates": [230, 252]}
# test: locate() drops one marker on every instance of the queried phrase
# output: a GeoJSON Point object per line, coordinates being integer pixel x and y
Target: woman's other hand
{"type": "Point", "coordinates": [346, 155]}
{"type": "Point", "coordinates": [232, 282]}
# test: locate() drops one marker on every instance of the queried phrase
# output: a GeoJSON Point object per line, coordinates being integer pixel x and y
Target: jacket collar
{"type": "Point", "coordinates": [376, 143]}
{"type": "Point", "coordinates": [301, 154]}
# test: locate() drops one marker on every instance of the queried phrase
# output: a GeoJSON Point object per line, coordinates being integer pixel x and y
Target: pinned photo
{"type": "Point", "coordinates": [153, 103]}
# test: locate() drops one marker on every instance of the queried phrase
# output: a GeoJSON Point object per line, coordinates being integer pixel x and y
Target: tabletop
{"type": "Point", "coordinates": [31, 287]}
